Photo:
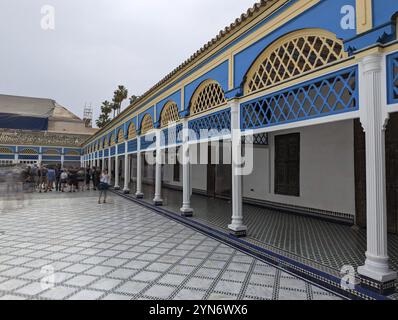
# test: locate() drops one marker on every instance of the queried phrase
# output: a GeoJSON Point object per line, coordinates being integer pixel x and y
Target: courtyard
{"type": "Point", "coordinates": [66, 246]}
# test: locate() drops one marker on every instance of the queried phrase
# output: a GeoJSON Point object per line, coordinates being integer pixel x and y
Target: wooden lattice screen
{"type": "Point", "coordinates": [209, 95]}
{"type": "Point", "coordinates": [293, 55]}
{"type": "Point", "coordinates": [147, 124]}
{"type": "Point", "coordinates": [169, 114]}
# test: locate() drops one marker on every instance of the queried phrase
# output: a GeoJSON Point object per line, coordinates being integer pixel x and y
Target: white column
{"type": "Point", "coordinates": [62, 161]}
{"type": "Point", "coordinates": [126, 189]}
{"type": "Point", "coordinates": [186, 209]}
{"type": "Point", "coordinates": [40, 156]}
{"type": "Point", "coordinates": [158, 201]}
{"type": "Point", "coordinates": [110, 165]}
{"type": "Point", "coordinates": [117, 187]}
{"type": "Point", "coordinates": [139, 193]}
{"type": "Point", "coordinates": [236, 227]}
{"type": "Point", "coordinates": [103, 160]}
{"type": "Point", "coordinates": [374, 120]}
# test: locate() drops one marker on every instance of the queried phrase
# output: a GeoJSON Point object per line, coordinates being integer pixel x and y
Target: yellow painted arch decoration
{"type": "Point", "coordinates": [293, 55]}
{"type": "Point", "coordinates": [6, 151]}
{"type": "Point", "coordinates": [146, 124]}
{"type": "Point", "coordinates": [208, 95]}
{"type": "Point", "coordinates": [132, 131]}
{"type": "Point", "coordinates": [169, 114]}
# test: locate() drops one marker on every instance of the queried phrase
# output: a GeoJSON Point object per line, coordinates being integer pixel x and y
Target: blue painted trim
{"type": "Point", "coordinates": [121, 148]}
{"type": "Point", "coordinates": [148, 141]}
{"type": "Point", "coordinates": [150, 111]}
{"type": "Point", "coordinates": [75, 159]}
{"type": "Point", "coordinates": [216, 122]}
{"type": "Point", "coordinates": [6, 157]}
{"type": "Point", "coordinates": [392, 89]}
{"type": "Point", "coordinates": [287, 91]}
{"type": "Point", "coordinates": [132, 145]}
{"type": "Point", "coordinates": [51, 158]}
{"type": "Point", "coordinates": [175, 97]}
{"type": "Point", "coordinates": [218, 73]}
{"type": "Point", "coordinates": [28, 157]}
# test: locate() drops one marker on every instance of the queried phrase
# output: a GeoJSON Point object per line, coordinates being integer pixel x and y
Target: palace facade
{"type": "Point", "coordinates": [311, 84]}
{"type": "Point", "coordinates": [34, 130]}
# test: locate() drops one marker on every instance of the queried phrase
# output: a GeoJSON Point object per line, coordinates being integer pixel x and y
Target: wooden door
{"type": "Point", "coordinates": [392, 173]}
{"type": "Point", "coordinates": [360, 173]}
{"type": "Point", "coordinates": [287, 164]}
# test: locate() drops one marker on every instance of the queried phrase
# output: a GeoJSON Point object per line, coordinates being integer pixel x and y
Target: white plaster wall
{"type": "Point", "coordinates": [327, 175]}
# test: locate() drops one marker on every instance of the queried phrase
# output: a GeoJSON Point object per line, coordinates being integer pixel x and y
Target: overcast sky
{"type": "Point", "coordinates": [99, 44]}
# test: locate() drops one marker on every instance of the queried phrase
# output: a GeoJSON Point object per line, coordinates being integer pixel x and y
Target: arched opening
{"type": "Point", "coordinates": [112, 140]}
{"type": "Point", "coordinates": [6, 151]}
{"type": "Point", "coordinates": [120, 136]}
{"type": "Point", "coordinates": [208, 95]}
{"type": "Point", "coordinates": [146, 124]}
{"type": "Point", "coordinates": [132, 131]}
{"type": "Point", "coordinates": [169, 114]}
{"type": "Point", "coordinates": [292, 56]}
{"type": "Point", "coordinates": [51, 152]}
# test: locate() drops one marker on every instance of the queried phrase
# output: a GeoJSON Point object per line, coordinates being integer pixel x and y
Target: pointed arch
{"type": "Point", "coordinates": [132, 131]}
{"type": "Point", "coordinates": [208, 95]}
{"type": "Point", "coordinates": [293, 55]}
{"type": "Point", "coordinates": [169, 114]}
{"type": "Point", "coordinates": [146, 124]}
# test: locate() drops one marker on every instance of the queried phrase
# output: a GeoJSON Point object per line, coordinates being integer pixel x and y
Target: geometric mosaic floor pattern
{"type": "Point", "coordinates": [322, 243]}
{"type": "Point", "coordinates": [66, 246]}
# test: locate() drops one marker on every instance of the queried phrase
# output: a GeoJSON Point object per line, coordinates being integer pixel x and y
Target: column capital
{"type": "Point", "coordinates": [372, 62]}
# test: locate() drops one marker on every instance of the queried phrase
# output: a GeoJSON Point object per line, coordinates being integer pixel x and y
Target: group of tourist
{"type": "Point", "coordinates": [48, 178]}
{"type": "Point", "coordinates": [54, 178]}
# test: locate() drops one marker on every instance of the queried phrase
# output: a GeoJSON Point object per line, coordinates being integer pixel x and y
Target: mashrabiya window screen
{"type": "Point", "coordinates": [147, 124]}
{"type": "Point", "coordinates": [292, 56]}
{"type": "Point", "coordinates": [120, 136]}
{"type": "Point", "coordinates": [6, 151]}
{"type": "Point", "coordinates": [113, 140]}
{"type": "Point", "coordinates": [209, 95]}
{"type": "Point", "coordinates": [132, 131]}
{"type": "Point", "coordinates": [28, 152]}
{"type": "Point", "coordinates": [332, 94]}
{"type": "Point", "coordinates": [169, 114]}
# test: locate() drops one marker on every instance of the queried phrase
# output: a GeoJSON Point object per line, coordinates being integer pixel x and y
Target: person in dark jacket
{"type": "Point", "coordinates": [88, 179]}
{"type": "Point", "coordinates": [96, 178]}
{"type": "Point", "coordinates": [58, 172]}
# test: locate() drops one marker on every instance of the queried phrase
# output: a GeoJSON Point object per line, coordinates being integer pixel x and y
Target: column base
{"type": "Point", "coordinates": [139, 195]}
{"type": "Point", "coordinates": [382, 288]}
{"type": "Point", "coordinates": [126, 191]}
{"type": "Point", "coordinates": [237, 231]}
{"type": "Point", "coordinates": [186, 212]}
{"type": "Point", "coordinates": [116, 188]}
{"type": "Point", "coordinates": [158, 202]}
{"type": "Point", "coordinates": [376, 276]}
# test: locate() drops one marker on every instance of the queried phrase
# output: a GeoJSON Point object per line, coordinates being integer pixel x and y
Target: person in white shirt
{"type": "Point", "coordinates": [104, 185]}
{"type": "Point", "coordinates": [64, 180]}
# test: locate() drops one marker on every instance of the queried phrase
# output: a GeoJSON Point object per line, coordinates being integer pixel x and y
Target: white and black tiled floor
{"type": "Point", "coordinates": [120, 251]}
{"type": "Point", "coordinates": [317, 242]}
